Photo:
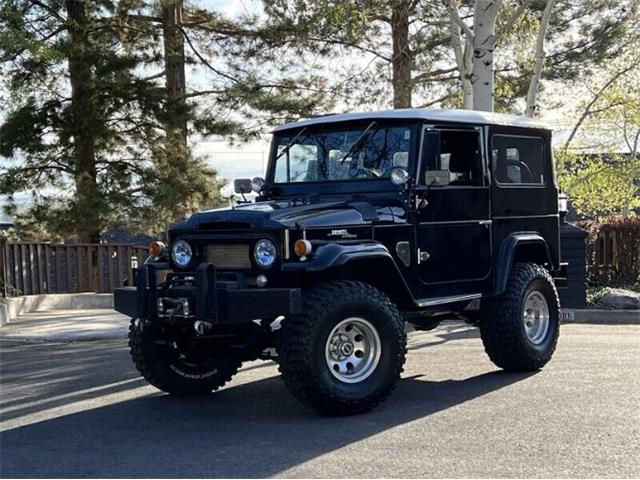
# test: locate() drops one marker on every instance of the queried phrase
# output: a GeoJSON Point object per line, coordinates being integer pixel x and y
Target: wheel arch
{"type": "Point", "coordinates": [527, 247]}
{"type": "Point", "coordinates": [370, 263]}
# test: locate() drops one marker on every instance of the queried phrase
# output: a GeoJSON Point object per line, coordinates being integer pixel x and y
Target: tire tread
{"type": "Point", "coordinates": [501, 324]}
{"type": "Point", "coordinates": [296, 364]}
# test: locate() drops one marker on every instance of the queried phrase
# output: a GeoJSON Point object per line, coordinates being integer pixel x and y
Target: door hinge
{"type": "Point", "coordinates": [422, 256]}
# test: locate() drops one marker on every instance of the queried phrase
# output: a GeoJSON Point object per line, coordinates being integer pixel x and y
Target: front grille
{"type": "Point", "coordinates": [231, 256]}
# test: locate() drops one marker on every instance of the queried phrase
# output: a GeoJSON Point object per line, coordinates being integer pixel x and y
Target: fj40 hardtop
{"type": "Point", "coordinates": [365, 222]}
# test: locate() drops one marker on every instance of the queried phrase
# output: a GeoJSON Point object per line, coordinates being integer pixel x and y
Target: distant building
{"type": "Point", "coordinates": [5, 221]}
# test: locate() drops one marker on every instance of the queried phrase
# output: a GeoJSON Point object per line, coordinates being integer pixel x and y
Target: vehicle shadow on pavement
{"type": "Point", "coordinates": [445, 333]}
{"type": "Point", "coordinates": [254, 429]}
{"type": "Point", "coordinates": [58, 374]}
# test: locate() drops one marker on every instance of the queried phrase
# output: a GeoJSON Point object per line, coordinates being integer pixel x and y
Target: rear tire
{"type": "Point", "coordinates": [179, 371]}
{"type": "Point", "coordinates": [520, 328]}
{"type": "Point", "coordinates": [344, 354]}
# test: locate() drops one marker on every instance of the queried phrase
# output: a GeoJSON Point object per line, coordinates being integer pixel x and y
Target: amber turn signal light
{"type": "Point", "coordinates": [156, 248]}
{"type": "Point", "coordinates": [302, 248]}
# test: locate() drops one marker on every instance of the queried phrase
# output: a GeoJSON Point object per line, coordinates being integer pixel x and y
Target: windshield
{"type": "Point", "coordinates": [366, 152]}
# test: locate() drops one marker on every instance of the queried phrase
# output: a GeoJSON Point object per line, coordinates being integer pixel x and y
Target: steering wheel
{"type": "Point", "coordinates": [528, 172]}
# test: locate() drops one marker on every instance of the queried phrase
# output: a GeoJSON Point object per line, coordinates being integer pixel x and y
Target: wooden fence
{"type": "Point", "coordinates": [613, 250]}
{"type": "Point", "coordinates": [613, 256]}
{"type": "Point", "coordinates": [29, 268]}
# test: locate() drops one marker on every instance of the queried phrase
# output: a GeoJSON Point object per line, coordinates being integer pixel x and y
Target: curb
{"type": "Point", "coordinates": [17, 338]}
{"type": "Point", "coordinates": [603, 317]}
{"type": "Point", "coordinates": [16, 306]}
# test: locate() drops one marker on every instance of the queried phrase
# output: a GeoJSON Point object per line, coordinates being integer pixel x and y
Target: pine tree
{"type": "Point", "coordinates": [402, 44]}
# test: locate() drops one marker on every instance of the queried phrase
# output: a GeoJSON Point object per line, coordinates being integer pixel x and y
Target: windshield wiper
{"type": "Point", "coordinates": [359, 143]}
{"type": "Point", "coordinates": [290, 144]}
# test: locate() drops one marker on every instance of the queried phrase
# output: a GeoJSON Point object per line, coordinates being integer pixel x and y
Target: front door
{"type": "Point", "coordinates": [453, 229]}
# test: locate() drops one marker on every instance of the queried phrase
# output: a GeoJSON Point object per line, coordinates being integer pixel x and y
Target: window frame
{"type": "Point", "coordinates": [456, 128]}
{"type": "Point", "coordinates": [494, 165]}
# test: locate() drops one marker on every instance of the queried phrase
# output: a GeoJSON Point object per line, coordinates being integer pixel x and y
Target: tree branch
{"type": "Point", "coordinates": [512, 19]}
{"type": "Point", "coordinates": [204, 61]}
{"type": "Point", "coordinates": [455, 16]}
{"type": "Point", "coordinates": [587, 111]}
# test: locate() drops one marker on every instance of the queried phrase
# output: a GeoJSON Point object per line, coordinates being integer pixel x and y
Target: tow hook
{"type": "Point", "coordinates": [201, 327]}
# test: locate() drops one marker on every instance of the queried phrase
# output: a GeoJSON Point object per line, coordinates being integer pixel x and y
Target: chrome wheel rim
{"type": "Point", "coordinates": [353, 350]}
{"type": "Point", "coordinates": [535, 317]}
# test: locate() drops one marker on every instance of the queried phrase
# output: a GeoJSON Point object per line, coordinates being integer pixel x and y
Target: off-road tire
{"type": "Point", "coordinates": [158, 365]}
{"type": "Point", "coordinates": [501, 321]}
{"type": "Point", "coordinates": [302, 348]}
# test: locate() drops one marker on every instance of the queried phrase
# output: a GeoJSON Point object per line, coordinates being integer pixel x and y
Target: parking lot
{"type": "Point", "coordinates": [80, 410]}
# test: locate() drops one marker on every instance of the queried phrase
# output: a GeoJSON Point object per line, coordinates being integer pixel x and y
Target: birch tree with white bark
{"type": "Point", "coordinates": [528, 40]}
{"type": "Point", "coordinates": [474, 49]}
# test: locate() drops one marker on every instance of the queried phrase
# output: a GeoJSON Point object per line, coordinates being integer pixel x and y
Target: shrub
{"type": "Point", "coordinates": [600, 185]}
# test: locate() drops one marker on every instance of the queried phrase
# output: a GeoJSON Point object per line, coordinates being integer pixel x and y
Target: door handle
{"type": "Point", "coordinates": [485, 222]}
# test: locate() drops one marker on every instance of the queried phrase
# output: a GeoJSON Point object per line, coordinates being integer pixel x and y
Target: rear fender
{"type": "Point", "coordinates": [521, 247]}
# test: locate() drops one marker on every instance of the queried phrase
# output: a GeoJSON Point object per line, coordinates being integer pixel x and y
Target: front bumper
{"type": "Point", "coordinates": [218, 302]}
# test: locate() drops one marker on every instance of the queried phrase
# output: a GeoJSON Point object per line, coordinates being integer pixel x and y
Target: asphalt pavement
{"type": "Point", "coordinates": [79, 409]}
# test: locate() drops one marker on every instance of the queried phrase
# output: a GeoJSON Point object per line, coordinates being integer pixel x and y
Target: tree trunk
{"type": "Point", "coordinates": [484, 41]}
{"type": "Point", "coordinates": [176, 150]}
{"type": "Point", "coordinates": [175, 83]}
{"type": "Point", "coordinates": [463, 62]}
{"type": "Point", "coordinates": [532, 94]}
{"type": "Point", "coordinates": [86, 223]}
{"type": "Point", "coordinates": [401, 61]}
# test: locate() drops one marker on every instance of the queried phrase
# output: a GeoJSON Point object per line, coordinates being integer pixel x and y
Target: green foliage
{"type": "Point", "coordinates": [599, 185]}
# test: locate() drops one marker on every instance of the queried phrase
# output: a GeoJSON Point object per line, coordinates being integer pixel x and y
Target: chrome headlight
{"type": "Point", "coordinates": [181, 253]}
{"type": "Point", "coordinates": [265, 253]}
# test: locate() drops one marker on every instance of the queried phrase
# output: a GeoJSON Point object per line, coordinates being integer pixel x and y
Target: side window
{"type": "Point", "coordinates": [458, 152]}
{"type": "Point", "coordinates": [518, 160]}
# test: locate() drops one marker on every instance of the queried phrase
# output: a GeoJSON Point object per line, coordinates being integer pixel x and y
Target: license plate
{"type": "Point", "coordinates": [567, 315]}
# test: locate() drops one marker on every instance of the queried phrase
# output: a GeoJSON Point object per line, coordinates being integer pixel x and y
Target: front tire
{"type": "Point", "coordinates": [177, 369]}
{"type": "Point", "coordinates": [344, 354]}
{"type": "Point", "coordinates": [520, 328]}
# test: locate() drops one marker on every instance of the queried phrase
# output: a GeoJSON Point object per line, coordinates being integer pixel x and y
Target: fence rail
{"type": "Point", "coordinates": [29, 268]}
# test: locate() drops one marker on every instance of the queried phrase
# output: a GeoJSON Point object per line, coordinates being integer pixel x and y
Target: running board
{"type": "Point", "coordinates": [430, 302]}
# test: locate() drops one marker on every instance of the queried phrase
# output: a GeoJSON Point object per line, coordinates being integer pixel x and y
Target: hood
{"type": "Point", "coordinates": [292, 214]}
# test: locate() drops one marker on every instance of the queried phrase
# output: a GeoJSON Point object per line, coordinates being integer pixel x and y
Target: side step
{"type": "Point", "coordinates": [430, 302]}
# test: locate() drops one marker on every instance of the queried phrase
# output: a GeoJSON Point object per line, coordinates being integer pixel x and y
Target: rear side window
{"type": "Point", "coordinates": [518, 160]}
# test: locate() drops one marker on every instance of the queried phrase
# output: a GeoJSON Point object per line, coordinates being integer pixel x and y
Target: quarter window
{"type": "Point", "coordinates": [518, 160]}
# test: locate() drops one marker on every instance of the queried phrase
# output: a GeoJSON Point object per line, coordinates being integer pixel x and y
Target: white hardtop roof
{"type": "Point", "coordinates": [475, 117]}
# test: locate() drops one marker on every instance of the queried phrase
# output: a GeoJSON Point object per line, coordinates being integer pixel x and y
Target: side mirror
{"type": "Point", "coordinates": [439, 178]}
{"type": "Point", "coordinates": [242, 185]}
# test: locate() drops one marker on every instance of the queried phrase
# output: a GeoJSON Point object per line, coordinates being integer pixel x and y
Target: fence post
{"type": "Point", "coordinates": [3, 266]}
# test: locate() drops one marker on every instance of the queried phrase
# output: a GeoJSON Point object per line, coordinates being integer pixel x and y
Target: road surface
{"type": "Point", "coordinates": [80, 410]}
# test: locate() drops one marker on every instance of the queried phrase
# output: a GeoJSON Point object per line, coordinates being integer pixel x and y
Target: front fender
{"type": "Point", "coordinates": [335, 254]}
{"type": "Point", "coordinates": [369, 262]}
